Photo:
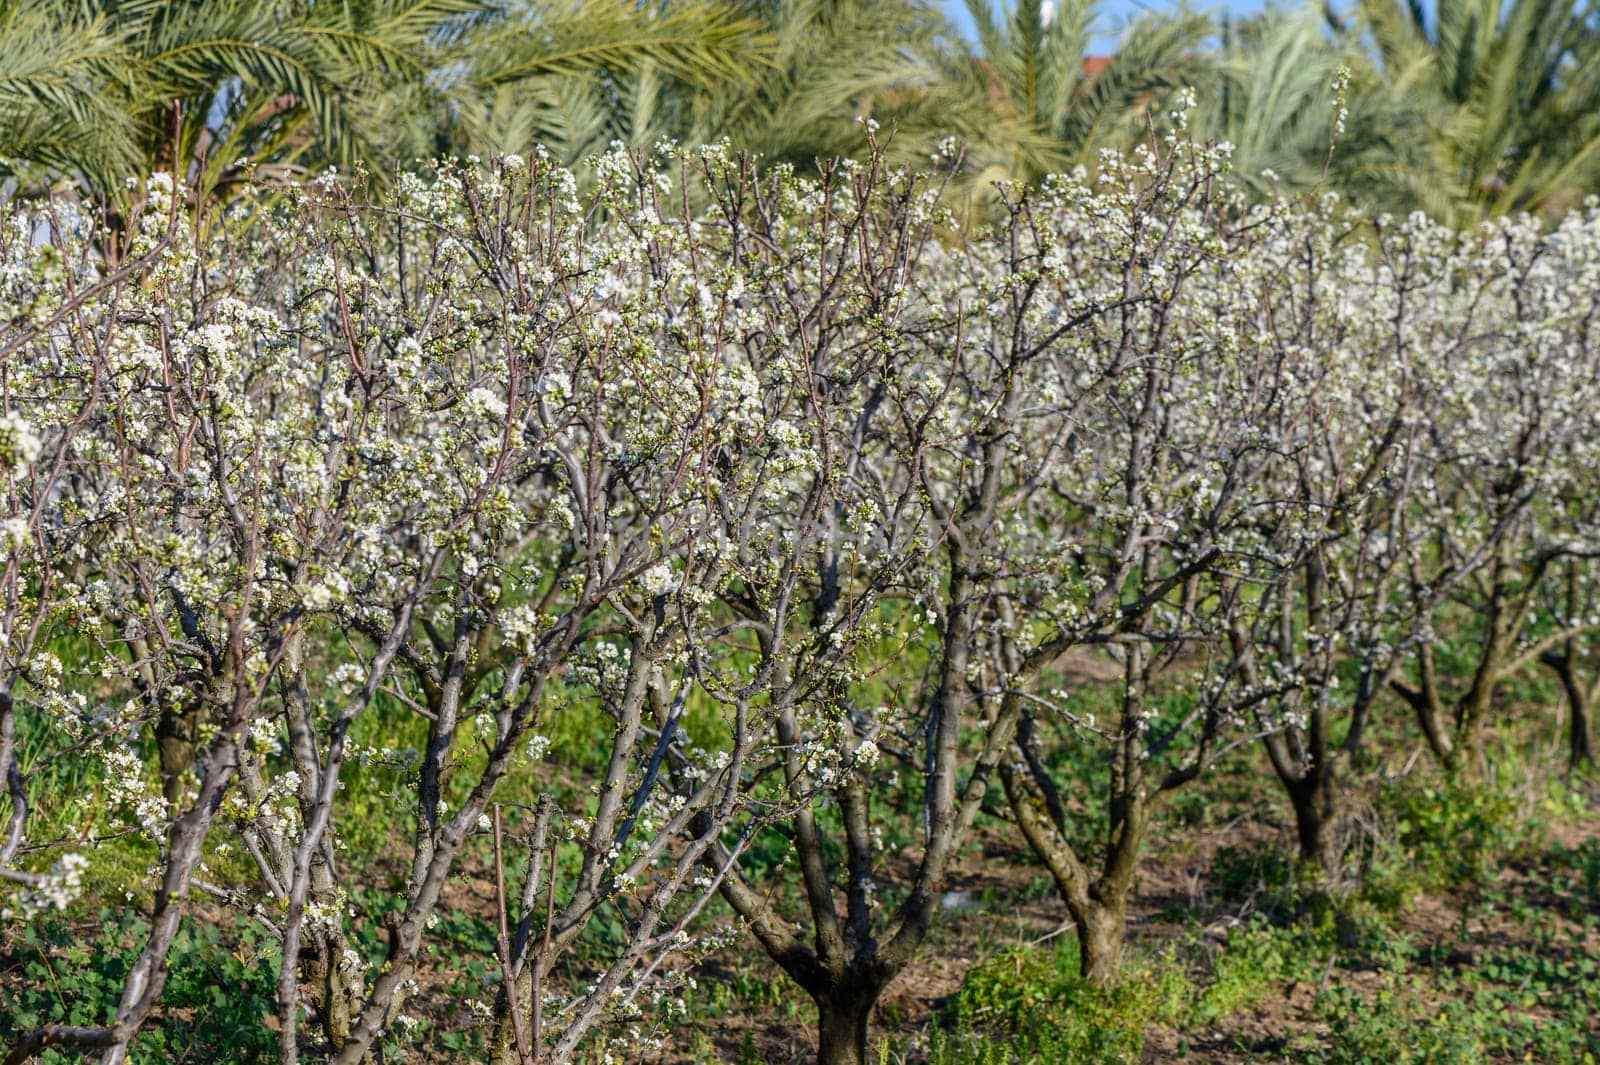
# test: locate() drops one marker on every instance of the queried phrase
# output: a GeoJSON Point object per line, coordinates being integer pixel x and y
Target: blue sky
{"type": "Point", "coordinates": [1115, 13]}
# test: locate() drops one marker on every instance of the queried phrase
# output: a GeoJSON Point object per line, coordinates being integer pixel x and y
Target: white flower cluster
{"type": "Point", "coordinates": [19, 444]}
{"type": "Point", "coordinates": [53, 890]}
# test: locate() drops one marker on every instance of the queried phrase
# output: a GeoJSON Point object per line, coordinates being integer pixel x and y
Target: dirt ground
{"type": "Point", "coordinates": [998, 897]}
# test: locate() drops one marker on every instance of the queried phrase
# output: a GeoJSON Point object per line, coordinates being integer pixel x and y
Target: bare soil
{"type": "Point", "coordinates": [999, 897]}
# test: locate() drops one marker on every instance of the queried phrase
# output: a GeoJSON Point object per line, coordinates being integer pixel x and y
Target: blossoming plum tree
{"type": "Point", "coordinates": [688, 558]}
{"type": "Point", "coordinates": [1501, 337]}
{"type": "Point", "coordinates": [1149, 521]}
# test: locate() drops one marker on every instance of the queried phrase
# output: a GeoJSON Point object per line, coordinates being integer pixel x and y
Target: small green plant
{"type": "Point", "coordinates": [1239, 871]}
{"type": "Point", "coordinates": [1028, 1004]}
{"type": "Point", "coordinates": [1251, 961]}
{"type": "Point", "coordinates": [1584, 863]}
{"type": "Point", "coordinates": [1523, 1003]}
{"type": "Point", "coordinates": [218, 989]}
{"type": "Point", "coordinates": [1393, 1027]}
{"type": "Point", "coordinates": [1452, 834]}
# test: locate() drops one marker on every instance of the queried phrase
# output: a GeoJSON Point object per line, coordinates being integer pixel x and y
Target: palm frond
{"type": "Point", "coordinates": [63, 92]}
{"type": "Point", "coordinates": [697, 39]}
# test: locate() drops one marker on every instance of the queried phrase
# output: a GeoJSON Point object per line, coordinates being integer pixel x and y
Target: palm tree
{"type": "Point", "coordinates": [829, 63]}
{"type": "Point", "coordinates": [1272, 98]}
{"type": "Point", "coordinates": [1504, 95]}
{"type": "Point", "coordinates": [198, 88]}
{"type": "Point", "coordinates": [97, 89]}
{"type": "Point", "coordinates": [285, 85]}
{"type": "Point", "coordinates": [837, 61]}
{"type": "Point", "coordinates": [60, 105]}
{"type": "Point", "coordinates": [1056, 109]}
{"type": "Point", "coordinates": [574, 75]}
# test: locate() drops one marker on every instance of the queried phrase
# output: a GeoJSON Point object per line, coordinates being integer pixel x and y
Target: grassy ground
{"type": "Point", "coordinates": [1472, 934]}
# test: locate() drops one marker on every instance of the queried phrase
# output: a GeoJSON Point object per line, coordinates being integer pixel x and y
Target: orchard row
{"type": "Point", "coordinates": [705, 552]}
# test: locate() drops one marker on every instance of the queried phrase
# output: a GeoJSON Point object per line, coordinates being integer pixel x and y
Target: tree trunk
{"type": "Point", "coordinates": [1430, 716]}
{"type": "Point", "coordinates": [1312, 800]}
{"type": "Point", "coordinates": [1353, 745]}
{"type": "Point", "coordinates": [1581, 744]}
{"type": "Point", "coordinates": [340, 992]}
{"type": "Point", "coordinates": [176, 732]}
{"type": "Point", "coordinates": [1100, 930]}
{"type": "Point", "coordinates": [842, 1026]}
{"type": "Point", "coordinates": [1580, 724]}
